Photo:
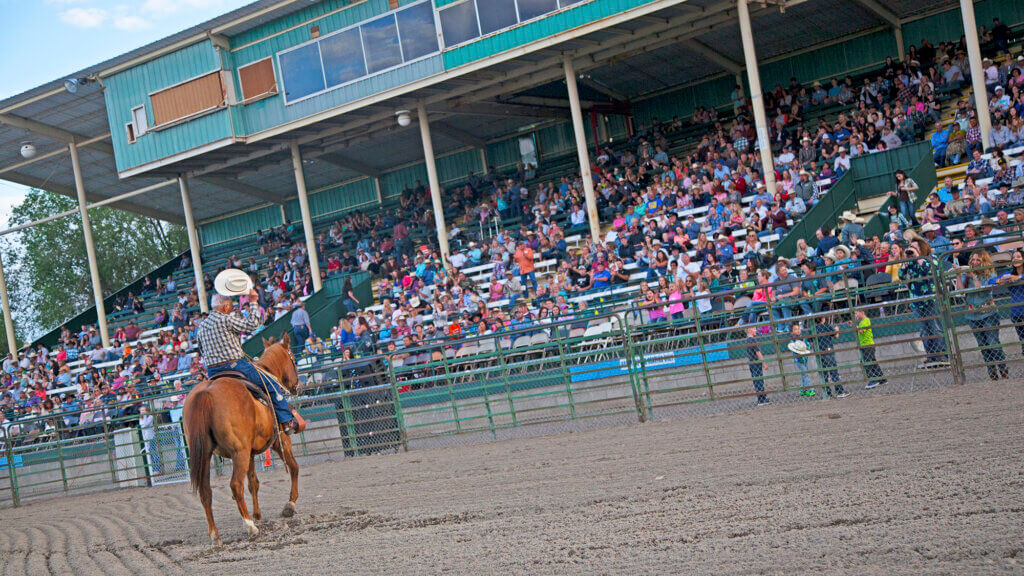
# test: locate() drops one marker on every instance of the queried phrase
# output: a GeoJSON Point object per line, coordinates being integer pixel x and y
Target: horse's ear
{"type": "Point", "coordinates": [268, 341]}
{"type": "Point", "coordinates": [285, 340]}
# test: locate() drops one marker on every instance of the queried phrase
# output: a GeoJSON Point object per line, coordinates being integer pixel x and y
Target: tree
{"type": "Point", "coordinates": [49, 277]}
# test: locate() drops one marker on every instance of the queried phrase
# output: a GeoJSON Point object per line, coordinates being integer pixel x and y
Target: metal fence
{"type": "Point", "coordinates": [860, 331]}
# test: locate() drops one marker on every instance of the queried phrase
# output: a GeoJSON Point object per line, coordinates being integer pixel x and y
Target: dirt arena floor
{"type": "Point", "coordinates": [928, 482]}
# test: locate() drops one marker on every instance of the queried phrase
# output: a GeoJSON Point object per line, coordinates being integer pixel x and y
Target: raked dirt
{"type": "Point", "coordinates": [920, 483]}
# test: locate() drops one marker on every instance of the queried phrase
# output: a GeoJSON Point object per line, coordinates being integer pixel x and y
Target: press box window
{"type": "Point", "coordinates": [140, 121]}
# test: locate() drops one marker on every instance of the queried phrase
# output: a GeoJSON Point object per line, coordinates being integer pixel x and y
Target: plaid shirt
{"type": "Point", "coordinates": [220, 335]}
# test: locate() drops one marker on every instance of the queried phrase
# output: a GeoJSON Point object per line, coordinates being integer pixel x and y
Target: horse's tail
{"type": "Point", "coordinates": [198, 419]}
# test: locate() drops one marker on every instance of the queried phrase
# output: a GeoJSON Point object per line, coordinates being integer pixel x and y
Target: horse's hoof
{"type": "Point", "coordinates": [258, 516]}
{"type": "Point", "coordinates": [289, 510]}
{"type": "Point", "coordinates": [251, 527]}
{"type": "Point", "coordinates": [215, 539]}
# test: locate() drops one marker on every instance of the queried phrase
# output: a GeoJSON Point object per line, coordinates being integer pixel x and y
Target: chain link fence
{"type": "Point", "coordinates": [922, 323]}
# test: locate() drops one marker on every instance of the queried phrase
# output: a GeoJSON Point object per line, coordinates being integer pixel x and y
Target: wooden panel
{"type": "Point", "coordinates": [188, 98]}
{"type": "Point", "coordinates": [257, 79]}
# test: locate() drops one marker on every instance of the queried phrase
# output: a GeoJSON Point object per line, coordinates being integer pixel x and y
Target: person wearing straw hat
{"type": "Point", "coordinates": [801, 351]}
{"type": "Point", "coordinates": [220, 339]}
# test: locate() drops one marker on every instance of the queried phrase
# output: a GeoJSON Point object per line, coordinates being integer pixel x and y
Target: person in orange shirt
{"type": "Point", "coordinates": [524, 258]}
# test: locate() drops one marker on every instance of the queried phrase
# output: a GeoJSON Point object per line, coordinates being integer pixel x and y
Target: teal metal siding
{"type": "Point", "coordinates": [271, 112]}
{"type": "Point", "coordinates": [824, 63]}
{"type": "Point", "coordinates": [391, 183]}
{"type": "Point", "coordinates": [556, 140]}
{"type": "Point", "coordinates": [949, 25]}
{"type": "Point", "coordinates": [337, 199]}
{"type": "Point", "coordinates": [131, 88]}
{"type": "Point", "coordinates": [535, 30]}
{"type": "Point", "coordinates": [455, 167]}
{"type": "Point", "coordinates": [240, 225]}
{"type": "Point", "coordinates": [504, 154]}
{"type": "Point", "coordinates": [314, 11]}
{"type": "Point", "coordinates": [684, 101]}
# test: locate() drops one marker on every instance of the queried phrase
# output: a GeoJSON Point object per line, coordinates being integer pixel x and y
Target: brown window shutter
{"type": "Point", "coordinates": [257, 79]}
{"type": "Point", "coordinates": [187, 99]}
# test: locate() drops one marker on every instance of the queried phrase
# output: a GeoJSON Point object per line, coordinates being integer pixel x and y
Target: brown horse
{"type": "Point", "coordinates": [221, 417]}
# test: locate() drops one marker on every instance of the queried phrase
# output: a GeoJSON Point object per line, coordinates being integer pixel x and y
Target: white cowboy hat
{"type": "Point", "coordinates": [930, 227]}
{"type": "Point", "coordinates": [799, 347]}
{"type": "Point", "coordinates": [232, 282]}
{"type": "Point", "coordinates": [851, 217]}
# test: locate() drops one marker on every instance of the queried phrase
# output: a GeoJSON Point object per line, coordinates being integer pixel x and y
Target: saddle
{"type": "Point", "coordinates": [255, 389]}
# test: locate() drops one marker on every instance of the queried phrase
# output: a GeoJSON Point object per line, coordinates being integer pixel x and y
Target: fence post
{"type": "Point", "coordinates": [12, 475]}
{"type": "Point", "coordinates": [451, 391]}
{"type": "Point", "coordinates": [396, 399]}
{"type": "Point", "coordinates": [945, 305]}
{"type": "Point", "coordinates": [565, 373]}
{"type": "Point", "coordinates": [60, 455]}
{"type": "Point", "coordinates": [508, 388]}
{"type": "Point", "coordinates": [110, 450]}
{"type": "Point", "coordinates": [703, 354]}
{"type": "Point", "coordinates": [775, 344]}
{"type": "Point", "coordinates": [637, 370]}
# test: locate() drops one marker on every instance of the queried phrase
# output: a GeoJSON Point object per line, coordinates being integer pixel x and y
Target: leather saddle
{"type": "Point", "coordinates": [255, 389]}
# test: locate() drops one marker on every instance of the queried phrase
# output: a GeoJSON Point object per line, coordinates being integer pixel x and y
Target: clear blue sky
{"type": "Point", "coordinates": [43, 40]}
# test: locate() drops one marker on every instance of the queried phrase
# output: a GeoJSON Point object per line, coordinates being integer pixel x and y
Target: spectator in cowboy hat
{"type": "Point", "coordinates": [804, 188]}
{"type": "Point", "coordinates": [853, 228]}
{"type": "Point", "coordinates": [939, 243]}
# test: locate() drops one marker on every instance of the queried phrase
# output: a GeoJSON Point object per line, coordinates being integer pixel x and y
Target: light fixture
{"type": "Point", "coordinates": [28, 150]}
{"type": "Point", "coordinates": [404, 118]}
{"type": "Point", "coordinates": [72, 84]}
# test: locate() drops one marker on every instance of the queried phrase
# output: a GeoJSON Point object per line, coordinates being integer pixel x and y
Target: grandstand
{"type": "Point", "coordinates": [600, 143]}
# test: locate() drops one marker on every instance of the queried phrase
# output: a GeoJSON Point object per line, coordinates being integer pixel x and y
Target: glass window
{"type": "Point", "coordinates": [496, 14]}
{"type": "Point", "coordinates": [564, 3]}
{"type": "Point", "coordinates": [380, 43]}
{"type": "Point", "coordinates": [529, 9]}
{"type": "Point", "coordinates": [458, 23]}
{"type": "Point", "coordinates": [302, 72]}
{"type": "Point", "coordinates": [416, 27]}
{"type": "Point", "coordinates": [343, 57]}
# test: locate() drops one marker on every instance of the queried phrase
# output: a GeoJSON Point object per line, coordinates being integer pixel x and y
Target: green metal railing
{"type": "Point", "coordinates": [579, 370]}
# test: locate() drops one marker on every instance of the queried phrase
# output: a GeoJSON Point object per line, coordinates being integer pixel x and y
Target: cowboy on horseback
{"type": "Point", "coordinates": [220, 341]}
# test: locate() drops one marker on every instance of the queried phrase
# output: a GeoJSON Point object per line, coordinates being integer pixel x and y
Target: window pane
{"type": "Point", "coordinates": [496, 14]}
{"type": "Point", "coordinates": [564, 3]}
{"type": "Point", "coordinates": [416, 26]}
{"type": "Point", "coordinates": [529, 9]}
{"type": "Point", "coordinates": [343, 57]}
{"type": "Point", "coordinates": [380, 40]}
{"type": "Point", "coordinates": [458, 23]}
{"type": "Point", "coordinates": [301, 71]}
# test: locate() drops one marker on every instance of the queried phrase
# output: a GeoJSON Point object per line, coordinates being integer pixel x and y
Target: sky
{"type": "Point", "coordinates": [43, 40]}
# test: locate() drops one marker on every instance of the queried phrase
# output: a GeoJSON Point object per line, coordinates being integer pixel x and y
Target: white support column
{"type": "Point", "coordinates": [307, 220]}
{"type": "Point", "coordinates": [977, 73]}
{"type": "Point", "coordinates": [433, 182]}
{"type": "Point", "coordinates": [12, 342]}
{"type": "Point", "coordinates": [483, 162]}
{"type": "Point", "coordinates": [90, 248]}
{"type": "Point", "coordinates": [193, 245]}
{"type": "Point", "coordinates": [756, 99]}
{"type": "Point", "coordinates": [897, 32]}
{"type": "Point", "coordinates": [376, 187]}
{"type": "Point", "coordinates": [581, 148]}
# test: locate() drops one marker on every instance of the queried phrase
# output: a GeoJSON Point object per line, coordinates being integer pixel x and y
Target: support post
{"type": "Point", "coordinates": [193, 245]}
{"type": "Point", "coordinates": [897, 32]}
{"type": "Point", "coordinates": [756, 99]}
{"type": "Point", "coordinates": [433, 182]}
{"type": "Point", "coordinates": [593, 131]}
{"type": "Point", "coordinates": [581, 148]}
{"type": "Point", "coordinates": [12, 342]}
{"type": "Point", "coordinates": [483, 162]}
{"type": "Point", "coordinates": [90, 248]}
{"type": "Point", "coordinates": [307, 220]}
{"type": "Point", "coordinates": [376, 187]}
{"type": "Point", "coordinates": [977, 74]}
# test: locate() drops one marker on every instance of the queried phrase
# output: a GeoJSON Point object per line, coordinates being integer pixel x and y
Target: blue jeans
{"type": "Point", "coordinates": [907, 209]}
{"type": "Point", "coordinates": [803, 366]}
{"type": "Point", "coordinates": [300, 333]}
{"type": "Point", "coordinates": [757, 373]}
{"type": "Point", "coordinates": [284, 413]}
{"type": "Point", "coordinates": [931, 331]}
{"type": "Point", "coordinates": [530, 277]}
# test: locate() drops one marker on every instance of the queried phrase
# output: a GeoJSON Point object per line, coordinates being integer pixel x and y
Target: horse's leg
{"type": "Point", "coordinates": [240, 469]}
{"type": "Point", "coordinates": [206, 497]}
{"type": "Point", "coordinates": [254, 488]}
{"type": "Point", "coordinates": [283, 447]}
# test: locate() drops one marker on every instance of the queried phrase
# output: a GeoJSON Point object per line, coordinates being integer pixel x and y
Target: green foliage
{"type": "Point", "coordinates": [47, 267]}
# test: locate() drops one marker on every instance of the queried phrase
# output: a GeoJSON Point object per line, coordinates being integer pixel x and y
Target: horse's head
{"type": "Point", "coordinates": [278, 359]}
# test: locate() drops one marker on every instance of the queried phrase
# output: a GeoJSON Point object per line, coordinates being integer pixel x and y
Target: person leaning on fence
{"type": "Point", "coordinates": [921, 286]}
{"type": "Point", "coordinates": [982, 313]}
{"type": "Point", "coordinates": [866, 345]}
{"type": "Point", "coordinates": [825, 334]}
{"type": "Point", "coordinates": [801, 351]}
{"type": "Point", "coordinates": [755, 361]}
{"type": "Point", "coordinates": [1013, 279]}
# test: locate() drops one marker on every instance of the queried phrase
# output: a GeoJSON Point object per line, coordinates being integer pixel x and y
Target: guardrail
{"type": "Point", "coordinates": [720, 352]}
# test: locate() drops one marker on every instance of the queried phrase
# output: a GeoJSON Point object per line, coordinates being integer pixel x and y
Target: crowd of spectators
{"type": "Point", "coordinates": [491, 282]}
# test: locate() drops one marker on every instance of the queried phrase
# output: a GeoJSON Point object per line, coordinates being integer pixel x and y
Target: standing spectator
{"type": "Point", "coordinates": [301, 325]}
{"type": "Point", "coordinates": [524, 259]}
{"type": "Point", "coordinates": [800, 351]}
{"type": "Point", "coordinates": [982, 313]}
{"type": "Point", "coordinates": [1014, 277]}
{"type": "Point", "coordinates": [825, 337]}
{"type": "Point", "coordinates": [921, 287]}
{"type": "Point", "coordinates": [866, 344]}
{"type": "Point", "coordinates": [755, 360]}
